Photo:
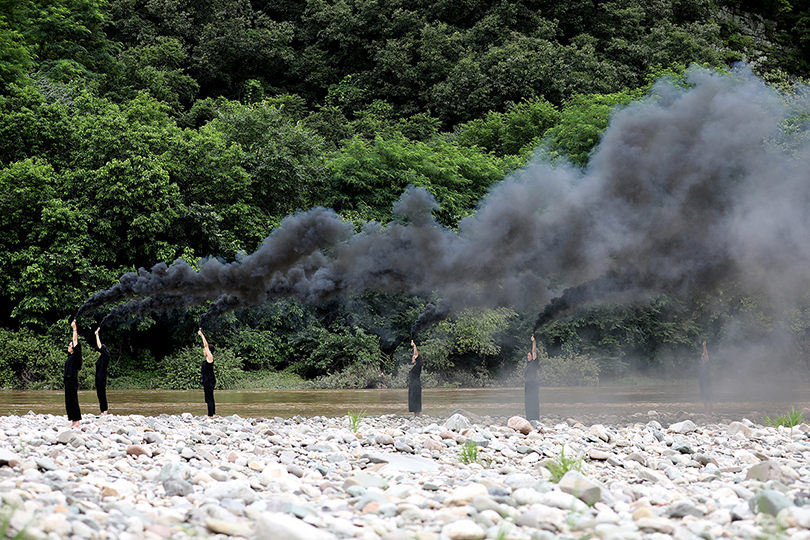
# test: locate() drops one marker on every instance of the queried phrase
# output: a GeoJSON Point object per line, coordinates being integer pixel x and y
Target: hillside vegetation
{"type": "Point", "coordinates": [134, 132]}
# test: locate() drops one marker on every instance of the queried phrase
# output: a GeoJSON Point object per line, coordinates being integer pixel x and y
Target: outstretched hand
{"type": "Point", "coordinates": [73, 324]}
{"type": "Point", "coordinates": [97, 330]}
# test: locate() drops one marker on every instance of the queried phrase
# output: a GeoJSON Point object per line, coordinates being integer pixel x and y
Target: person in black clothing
{"type": "Point", "coordinates": [705, 381]}
{"type": "Point", "coordinates": [531, 389]}
{"type": "Point", "coordinates": [101, 373]}
{"type": "Point", "coordinates": [208, 380]}
{"type": "Point", "coordinates": [72, 366]}
{"type": "Point", "coordinates": [415, 383]}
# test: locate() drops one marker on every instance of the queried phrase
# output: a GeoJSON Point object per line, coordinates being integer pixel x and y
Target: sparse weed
{"type": "Point", "coordinates": [562, 465]}
{"type": "Point", "coordinates": [469, 453]}
{"type": "Point", "coordinates": [354, 419]}
{"type": "Point", "coordinates": [793, 418]}
{"type": "Point", "coordinates": [5, 525]}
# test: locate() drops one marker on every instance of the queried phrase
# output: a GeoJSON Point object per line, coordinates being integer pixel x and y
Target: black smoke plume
{"type": "Point", "coordinates": [297, 237]}
{"type": "Point", "coordinates": [150, 304]}
{"type": "Point", "coordinates": [615, 286]}
{"type": "Point", "coordinates": [698, 184]}
{"type": "Point", "coordinates": [223, 304]}
{"type": "Point", "coordinates": [430, 315]}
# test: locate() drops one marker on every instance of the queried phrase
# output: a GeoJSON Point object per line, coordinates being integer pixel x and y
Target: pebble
{"type": "Point", "coordinates": [402, 478]}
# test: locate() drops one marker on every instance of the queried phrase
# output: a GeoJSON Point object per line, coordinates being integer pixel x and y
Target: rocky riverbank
{"type": "Point", "coordinates": [398, 477]}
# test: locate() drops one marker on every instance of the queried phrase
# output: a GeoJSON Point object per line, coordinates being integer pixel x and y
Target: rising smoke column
{"type": "Point", "coordinates": [692, 186]}
{"type": "Point", "coordinates": [222, 305]}
{"type": "Point", "coordinates": [430, 315]}
{"type": "Point", "coordinates": [669, 194]}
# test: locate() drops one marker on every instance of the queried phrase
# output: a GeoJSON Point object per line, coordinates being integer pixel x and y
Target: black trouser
{"type": "Point", "coordinates": [531, 399]}
{"type": "Point", "coordinates": [101, 392]}
{"type": "Point", "coordinates": [208, 388]}
{"type": "Point", "coordinates": [415, 397]}
{"type": "Point", "coordinates": [72, 399]}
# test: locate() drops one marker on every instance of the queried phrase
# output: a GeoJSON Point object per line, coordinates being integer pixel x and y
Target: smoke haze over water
{"type": "Point", "coordinates": [688, 188]}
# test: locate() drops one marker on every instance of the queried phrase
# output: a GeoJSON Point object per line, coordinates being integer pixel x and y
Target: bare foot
{"type": "Point", "coordinates": [75, 425]}
{"type": "Point", "coordinates": [104, 413]}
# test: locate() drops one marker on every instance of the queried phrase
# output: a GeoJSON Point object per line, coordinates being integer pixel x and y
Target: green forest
{"type": "Point", "coordinates": [135, 132]}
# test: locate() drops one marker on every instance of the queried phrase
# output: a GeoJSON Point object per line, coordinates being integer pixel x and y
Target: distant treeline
{"type": "Point", "coordinates": [134, 132]}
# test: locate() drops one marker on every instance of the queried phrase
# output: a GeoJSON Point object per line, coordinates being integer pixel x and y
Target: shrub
{"type": "Point", "coordinates": [258, 348]}
{"type": "Point", "coordinates": [36, 362]}
{"type": "Point", "coordinates": [400, 378]}
{"type": "Point", "coordinates": [332, 352]}
{"type": "Point", "coordinates": [567, 370]}
{"type": "Point", "coordinates": [140, 369]}
{"type": "Point", "coordinates": [181, 371]}
{"type": "Point", "coordinates": [358, 376]}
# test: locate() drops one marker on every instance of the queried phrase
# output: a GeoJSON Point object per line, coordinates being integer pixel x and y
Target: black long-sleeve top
{"type": "Point", "coordinates": [102, 363]}
{"type": "Point", "coordinates": [74, 362]}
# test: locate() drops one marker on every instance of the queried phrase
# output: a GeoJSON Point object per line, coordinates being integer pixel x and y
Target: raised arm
{"type": "Point", "coordinates": [534, 348]}
{"type": "Point", "coordinates": [206, 350]}
{"type": "Point", "coordinates": [75, 333]}
{"type": "Point", "coordinates": [415, 352]}
{"type": "Point", "coordinates": [98, 339]}
{"type": "Point", "coordinates": [705, 353]}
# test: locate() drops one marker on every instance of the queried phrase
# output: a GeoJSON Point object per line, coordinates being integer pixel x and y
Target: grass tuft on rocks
{"type": "Point", "coordinates": [791, 419]}
{"type": "Point", "coordinates": [562, 464]}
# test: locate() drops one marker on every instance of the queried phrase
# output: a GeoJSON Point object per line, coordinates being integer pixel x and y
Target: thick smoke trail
{"type": "Point", "coordinates": [696, 185]}
{"type": "Point", "coordinates": [611, 287]}
{"type": "Point", "coordinates": [430, 315]}
{"type": "Point", "coordinates": [149, 305]}
{"type": "Point", "coordinates": [296, 237]}
{"type": "Point", "coordinates": [223, 304]}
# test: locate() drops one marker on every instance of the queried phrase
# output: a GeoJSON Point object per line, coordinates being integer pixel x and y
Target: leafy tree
{"type": "Point", "coordinates": [509, 132]}
{"type": "Point", "coordinates": [523, 68]}
{"type": "Point", "coordinates": [64, 38]}
{"type": "Point", "coordinates": [15, 58]}
{"type": "Point", "coordinates": [323, 351]}
{"type": "Point", "coordinates": [36, 124]}
{"type": "Point", "coordinates": [133, 201]}
{"type": "Point", "coordinates": [259, 348]}
{"type": "Point", "coordinates": [282, 156]}
{"type": "Point", "coordinates": [158, 69]}
{"type": "Point", "coordinates": [469, 340]}
{"type": "Point", "coordinates": [239, 44]}
{"type": "Point", "coordinates": [225, 43]}
{"type": "Point", "coordinates": [582, 121]}
{"type": "Point", "coordinates": [366, 178]}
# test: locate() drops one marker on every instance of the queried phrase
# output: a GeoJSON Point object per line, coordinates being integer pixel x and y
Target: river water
{"type": "Point", "coordinates": [753, 402]}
